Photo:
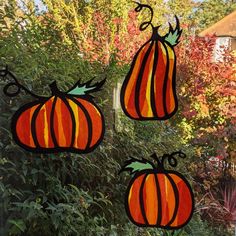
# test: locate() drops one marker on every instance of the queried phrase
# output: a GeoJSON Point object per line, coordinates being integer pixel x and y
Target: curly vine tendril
{"type": "Point", "coordinates": [172, 160]}
{"type": "Point", "coordinates": [145, 24]}
{"type": "Point", "coordinates": [4, 73]}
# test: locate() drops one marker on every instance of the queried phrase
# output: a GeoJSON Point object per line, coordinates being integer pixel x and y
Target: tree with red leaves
{"type": "Point", "coordinates": [207, 95]}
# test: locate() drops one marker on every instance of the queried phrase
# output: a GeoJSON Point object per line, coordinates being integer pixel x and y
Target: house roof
{"type": "Point", "coordinates": [224, 27]}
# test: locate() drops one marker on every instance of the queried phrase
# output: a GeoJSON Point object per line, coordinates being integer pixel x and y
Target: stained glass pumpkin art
{"type": "Point", "coordinates": [149, 89]}
{"type": "Point", "coordinates": [157, 197]}
{"type": "Point", "coordinates": [65, 121]}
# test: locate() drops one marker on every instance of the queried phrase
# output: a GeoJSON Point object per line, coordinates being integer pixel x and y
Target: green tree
{"type": "Point", "coordinates": [210, 11]}
{"type": "Point", "coordinates": [69, 194]}
{"type": "Point", "coordinates": [185, 11]}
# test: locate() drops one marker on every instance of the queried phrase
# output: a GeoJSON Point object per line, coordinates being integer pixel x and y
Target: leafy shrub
{"type": "Point", "coordinates": [71, 194]}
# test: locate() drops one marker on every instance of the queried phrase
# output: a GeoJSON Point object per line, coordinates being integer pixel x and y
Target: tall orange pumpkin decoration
{"type": "Point", "coordinates": [65, 121]}
{"type": "Point", "coordinates": [149, 89]}
{"type": "Point", "coordinates": [157, 197]}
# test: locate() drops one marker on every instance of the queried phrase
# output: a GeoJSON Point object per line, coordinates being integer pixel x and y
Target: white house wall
{"type": "Point", "coordinates": [222, 43]}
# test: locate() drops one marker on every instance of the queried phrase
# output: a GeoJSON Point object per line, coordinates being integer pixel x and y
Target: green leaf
{"type": "Point", "coordinates": [174, 34]}
{"type": "Point", "coordinates": [83, 89]}
{"type": "Point", "coordinates": [80, 90]}
{"type": "Point", "coordinates": [134, 165]}
{"type": "Point", "coordinates": [19, 224]}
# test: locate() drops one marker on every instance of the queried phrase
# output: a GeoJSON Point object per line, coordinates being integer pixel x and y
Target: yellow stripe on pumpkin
{"type": "Point", "coordinates": [60, 123]}
{"type": "Point", "coordinates": [130, 194]}
{"type": "Point", "coordinates": [170, 52]}
{"type": "Point", "coordinates": [75, 110]}
{"type": "Point", "coordinates": [97, 111]}
{"type": "Point", "coordinates": [45, 130]}
{"type": "Point", "coordinates": [164, 50]}
{"type": "Point", "coordinates": [147, 109]}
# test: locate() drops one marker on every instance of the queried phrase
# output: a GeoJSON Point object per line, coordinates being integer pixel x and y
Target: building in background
{"type": "Point", "coordinates": [225, 31]}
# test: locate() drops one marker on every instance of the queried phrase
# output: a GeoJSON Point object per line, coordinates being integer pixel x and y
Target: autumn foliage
{"type": "Point", "coordinates": [85, 39]}
{"type": "Point", "coordinates": [208, 92]}
{"type": "Point", "coordinates": [101, 43]}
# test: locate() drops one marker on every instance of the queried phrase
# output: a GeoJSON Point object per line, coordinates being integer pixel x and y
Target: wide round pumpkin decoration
{"type": "Point", "coordinates": [157, 197]}
{"type": "Point", "coordinates": [149, 89]}
{"type": "Point", "coordinates": [65, 121]}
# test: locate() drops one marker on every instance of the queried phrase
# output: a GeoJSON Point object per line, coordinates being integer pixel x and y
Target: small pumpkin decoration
{"type": "Point", "coordinates": [157, 197]}
{"type": "Point", "coordinates": [65, 121]}
{"type": "Point", "coordinates": [149, 89]}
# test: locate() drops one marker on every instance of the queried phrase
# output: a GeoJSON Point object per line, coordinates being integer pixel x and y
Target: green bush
{"type": "Point", "coordinates": [71, 194]}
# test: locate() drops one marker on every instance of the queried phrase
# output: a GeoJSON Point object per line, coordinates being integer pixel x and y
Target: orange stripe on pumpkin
{"type": "Point", "coordinates": [168, 200]}
{"type": "Point", "coordinates": [32, 110]}
{"type": "Point", "coordinates": [129, 96]}
{"type": "Point", "coordinates": [150, 199]}
{"type": "Point", "coordinates": [96, 120]}
{"type": "Point", "coordinates": [134, 200]}
{"type": "Point", "coordinates": [82, 138]}
{"type": "Point", "coordinates": [170, 101]}
{"type": "Point", "coordinates": [23, 127]}
{"type": "Point", "coordinates": [48, 118]}
{"type": "Point", "coordinates": [159, 79]}
{"type": "Point", "coordinates": [82, 127]}
{"type": "Point", "coordinates": [42, 125]}
{"type": "Point", "coordinates": [75, 110]}
{"type": "Point", "coordinates": [162, 185]}
{"type": "Point", "coordinates": [62, 124]}
{"type": "Point", "coordinates": [185, 201]}
{"type": "Point", "coordinates": [145, 88]}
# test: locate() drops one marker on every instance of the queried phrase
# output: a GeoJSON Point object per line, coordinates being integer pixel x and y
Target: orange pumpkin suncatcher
{"type": "Point", "coordinates": [157, 197]}
{"type": "Point", "coordinates": [65, 121]}
{"type": "Point", "coordinates": [149, 89]}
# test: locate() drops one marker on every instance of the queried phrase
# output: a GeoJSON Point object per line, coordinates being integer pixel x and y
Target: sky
{"type": "Point", "coordinates": [40, 5]}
